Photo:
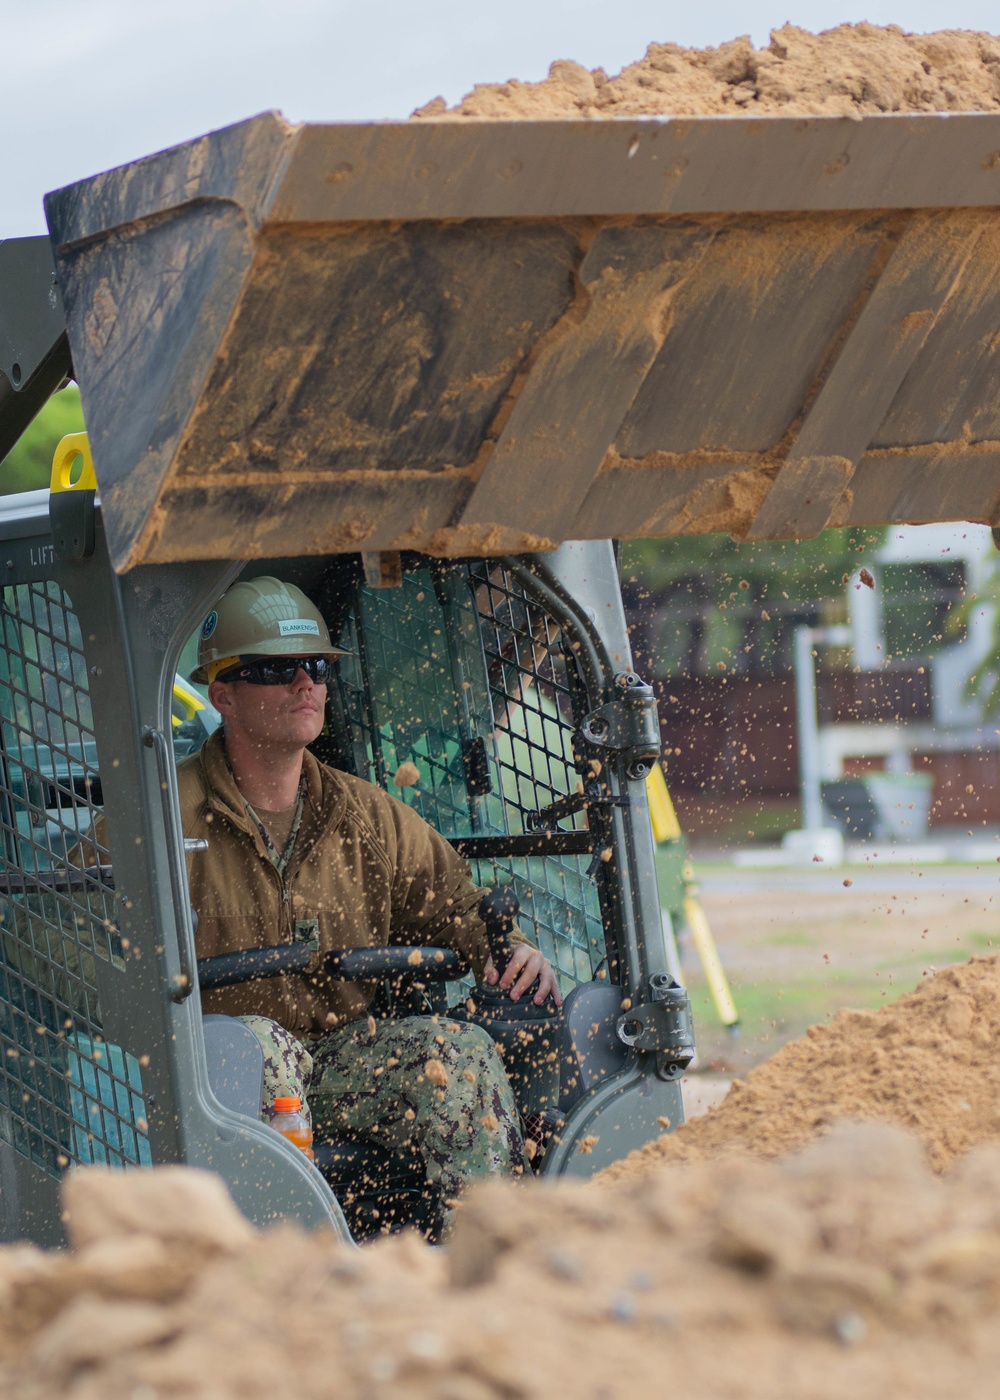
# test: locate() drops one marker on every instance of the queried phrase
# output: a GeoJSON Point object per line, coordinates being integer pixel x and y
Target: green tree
{"type": "Point", "coordinates": [28, 465]}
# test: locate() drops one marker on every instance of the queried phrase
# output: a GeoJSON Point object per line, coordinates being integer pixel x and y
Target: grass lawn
{"type": "Point", "coordinates": [796, 955]}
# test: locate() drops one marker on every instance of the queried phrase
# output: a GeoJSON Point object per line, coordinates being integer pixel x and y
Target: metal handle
{"type": "Point", "coordinates": [498, 910]}
{"type": "Point", "coordinates": [156, 740]}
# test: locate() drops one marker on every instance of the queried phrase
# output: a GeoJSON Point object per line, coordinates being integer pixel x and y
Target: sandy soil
{"type": "Point", "coordinates": [852, 70]}
{"type": "Point", "coordinates": [926, 1062]}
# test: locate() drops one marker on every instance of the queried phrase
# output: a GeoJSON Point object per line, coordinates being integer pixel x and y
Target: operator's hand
{"type": "Point", "coordinates": [525, 966]}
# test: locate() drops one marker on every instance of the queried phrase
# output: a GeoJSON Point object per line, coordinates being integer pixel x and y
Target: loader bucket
{"type": "Point", "coordinates": [473, 337]}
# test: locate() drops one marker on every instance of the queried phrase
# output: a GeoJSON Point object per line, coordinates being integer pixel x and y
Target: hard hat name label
{"type": "Point", "coordinates": [297, 627]}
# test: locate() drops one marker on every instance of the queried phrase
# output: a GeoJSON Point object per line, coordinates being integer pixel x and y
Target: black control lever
{"type": "Point", "coordinates": [527, 1034]}
{"type": "Point", "coordinates": [498, 910]}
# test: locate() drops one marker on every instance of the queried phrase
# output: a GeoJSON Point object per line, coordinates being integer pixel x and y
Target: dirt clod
{"type": "Point", "coordinates": [436, 1073]}
{"type": "Point", "coordinates": [177, 1205]}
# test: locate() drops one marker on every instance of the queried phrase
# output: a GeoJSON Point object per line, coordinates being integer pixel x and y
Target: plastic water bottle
{"type": "Point", "coordinates": [289, 1120]}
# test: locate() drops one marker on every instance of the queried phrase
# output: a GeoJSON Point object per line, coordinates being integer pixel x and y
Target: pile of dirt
{"type": "Point", "coordinates": [927, 1062]}
{"type": "Point", "coordinates": [853, 70]}
{"type": "Point", "coordinates": [851, 1270]}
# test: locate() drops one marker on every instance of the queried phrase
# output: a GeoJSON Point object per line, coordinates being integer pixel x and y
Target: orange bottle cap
{"type": "Point", "coordinates": [288, 1105]}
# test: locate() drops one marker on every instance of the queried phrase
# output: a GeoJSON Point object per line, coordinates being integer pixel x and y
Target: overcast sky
{"type": "Point", "coordinates": [88, 84]}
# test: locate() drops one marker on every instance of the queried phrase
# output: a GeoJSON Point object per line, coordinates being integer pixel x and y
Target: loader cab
{"type": "Point", "coordinates": [506, 682]}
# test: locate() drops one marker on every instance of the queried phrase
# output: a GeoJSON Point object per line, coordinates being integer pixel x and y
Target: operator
{"type": "Point", "coordinates": [299, 851]}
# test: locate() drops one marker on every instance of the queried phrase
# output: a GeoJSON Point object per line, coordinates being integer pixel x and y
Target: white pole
{"type": "Point", "coordinates": [808, 730]}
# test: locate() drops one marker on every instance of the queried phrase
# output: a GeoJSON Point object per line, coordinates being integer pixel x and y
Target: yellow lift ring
{"type": "Point", "coordinates": [72, 446]}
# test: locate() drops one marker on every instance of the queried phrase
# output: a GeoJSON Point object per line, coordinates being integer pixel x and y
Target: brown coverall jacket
{"type": "Point", "coordinates": [368, 868]}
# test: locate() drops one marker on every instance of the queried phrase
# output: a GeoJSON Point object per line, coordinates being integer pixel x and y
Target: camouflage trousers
{"type": "Point", "coordinates": [420, 1081]}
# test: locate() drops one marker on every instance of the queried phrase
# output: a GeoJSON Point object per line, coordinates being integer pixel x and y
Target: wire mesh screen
{"type": "Point", "coordinates": [66, 1094]}
{"type": "Point", "coordinates": [460, 672]}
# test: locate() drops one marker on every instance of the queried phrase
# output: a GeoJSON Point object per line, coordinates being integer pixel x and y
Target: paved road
{"type": "Point", "coordinates": [893, 879]}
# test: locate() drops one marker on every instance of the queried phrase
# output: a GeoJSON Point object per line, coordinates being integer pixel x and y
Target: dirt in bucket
{"type": "Point", "coordinates": [853, 70]}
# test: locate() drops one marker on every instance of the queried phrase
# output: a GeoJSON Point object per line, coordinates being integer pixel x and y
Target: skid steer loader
{"type": "Point", "coordinates": [428, 372]}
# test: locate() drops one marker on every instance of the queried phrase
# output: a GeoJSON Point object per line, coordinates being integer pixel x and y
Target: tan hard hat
{"type": "Point", "coordinates": [261, 617]}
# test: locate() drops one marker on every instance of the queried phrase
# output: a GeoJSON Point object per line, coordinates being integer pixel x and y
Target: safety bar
{"type": "Point", "coordinates": [347, 964]}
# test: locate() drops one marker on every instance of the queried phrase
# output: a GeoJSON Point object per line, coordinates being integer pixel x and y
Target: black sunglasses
{"type": "Point", "coordinates": [281, 670]}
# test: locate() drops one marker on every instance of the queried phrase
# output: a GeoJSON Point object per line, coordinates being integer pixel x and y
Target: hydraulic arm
{"type": "Point", "coordinates": [34, 350]}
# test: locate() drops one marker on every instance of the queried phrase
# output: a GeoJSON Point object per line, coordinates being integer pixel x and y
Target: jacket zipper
{"type": "Point", "coordinates": [286, 931]}
{"type": "Point", "coordinates": [286, 905]}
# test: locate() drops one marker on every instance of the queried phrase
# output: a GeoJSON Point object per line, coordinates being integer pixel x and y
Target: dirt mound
{"type": "Point", "coordinates": [928, 1063]}
{"type": "Point", "coordinates": [853, 70]}
{"type": "Point", "coordinates": [851, 1270]}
